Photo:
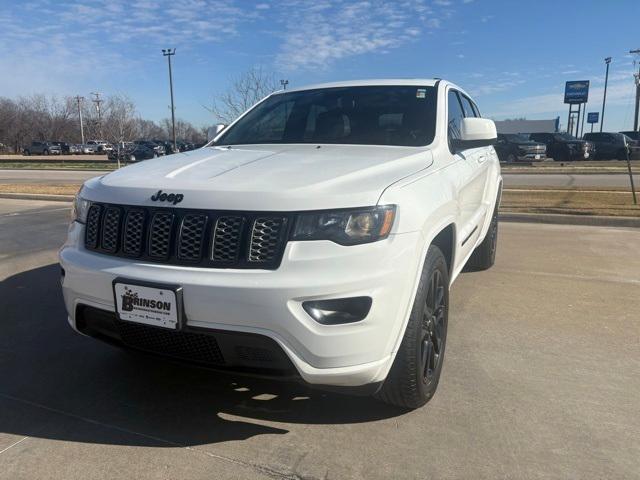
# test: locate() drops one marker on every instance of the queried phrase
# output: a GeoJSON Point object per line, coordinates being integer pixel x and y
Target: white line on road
{"type": "Point", "coordinates": [13, 445]}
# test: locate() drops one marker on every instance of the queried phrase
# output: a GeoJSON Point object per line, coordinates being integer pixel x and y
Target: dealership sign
{"type": "Point", "coordinates": [592, 117]}
{"type": "Point", "coordinates": [576, 91]}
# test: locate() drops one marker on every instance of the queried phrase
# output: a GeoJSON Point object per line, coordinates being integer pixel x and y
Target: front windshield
{"type": "Point", "coordinates": [373, 115]}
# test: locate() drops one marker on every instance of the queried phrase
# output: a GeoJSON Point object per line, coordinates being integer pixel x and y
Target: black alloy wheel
{"type": "Point", "coordinates": [434, 327]}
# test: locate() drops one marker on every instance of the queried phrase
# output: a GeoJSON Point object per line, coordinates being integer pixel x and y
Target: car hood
{"type": "Point", "coordinates": [264, 177]}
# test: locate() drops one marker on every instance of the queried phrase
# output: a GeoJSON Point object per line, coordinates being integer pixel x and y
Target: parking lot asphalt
{"type": "Point", "coordinates": [541, 380]}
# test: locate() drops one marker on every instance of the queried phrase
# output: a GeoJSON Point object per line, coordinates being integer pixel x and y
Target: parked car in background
{"type": "Point", "coordinates": [65, 148]}
{"type": "Point", "coordinates": [168, 146]}
{"type": "Point", "coordinates": [42, 148]}
{"type": "Point", "coordinates": [88, 149]}
{"type": "Point", "coordinates": [610, 146]}
{"type": "Point", "coordinates": [159, 149]}
{"type": "Point", "coordinates": [632, 134]}
{"type": "Point", "coordinates": [512, 147]}
{"type": "Point", "coordinates": [75, 149]}
{"type": "Point", "coordinates": [132, 153]}
{"type": "Point", "coordinates": [100, 146]}
{"type": "Point", "coordinates": [563, 147]}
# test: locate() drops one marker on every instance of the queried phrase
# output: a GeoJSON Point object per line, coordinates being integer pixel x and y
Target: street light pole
{"type": "Point", "coordinates": [604, 98]}
{"type": "Point", "coordinates": [169, 53]}
{"type": "Point", "coordinates": [637, 77]}
{"type": "Point", "coordinates": [79, 99]}
{"type": "Point", "coordinates": [284, 84]}
{"type": "Point", "coordinates": [98, 101]}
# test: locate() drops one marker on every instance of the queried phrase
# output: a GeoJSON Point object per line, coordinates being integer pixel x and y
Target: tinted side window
{"type": "Point", "coordinates": [468, 107]}
{"type": "Point", "coordinates": [476, 109]}
{"type": "Point", "coordinates": [454, 116]}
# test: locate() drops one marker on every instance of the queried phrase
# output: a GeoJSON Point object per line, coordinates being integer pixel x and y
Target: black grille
{"type": "Point", "coordinates": [226, 239]}
{"type": "Point", "coordinates": [265, 238]}
{"type": "Point", "coordinates": [191, 237]}
{"type": "Point", "coordinates": [93, 226]}
{"type": "Point", "coordinates": [160, 235]}
{"type": "Point", "coordinates": [110, 229]}
{"type": "Point", "coordinates": [188, 237]}
{"type": "Point", "coordinates": [133, 232]}
{"type": "Point", "coordinates": [184, 345]}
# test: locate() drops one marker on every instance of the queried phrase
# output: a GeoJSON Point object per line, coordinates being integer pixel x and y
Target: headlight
{"type": "Point", "coordinates": [80, 208]}
{"type": "Point", "coordinates": [346, 227]}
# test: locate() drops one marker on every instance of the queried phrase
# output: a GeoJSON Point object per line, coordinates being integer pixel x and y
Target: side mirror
{"type": "Point", "coordinates": [476, 132]}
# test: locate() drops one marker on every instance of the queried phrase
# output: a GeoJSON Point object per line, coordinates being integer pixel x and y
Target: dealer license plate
{"type": "Point", "coordinates": [159, 306]}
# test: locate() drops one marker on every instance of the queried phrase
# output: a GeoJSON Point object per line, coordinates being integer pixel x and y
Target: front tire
{"type": "Point", "coordinates": [415, 373]}
{"type": "Point", "coordinates": [511, 158]}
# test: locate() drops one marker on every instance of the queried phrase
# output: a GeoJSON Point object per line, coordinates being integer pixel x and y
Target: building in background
{"type": "Point", "coordinates": [522, 125]}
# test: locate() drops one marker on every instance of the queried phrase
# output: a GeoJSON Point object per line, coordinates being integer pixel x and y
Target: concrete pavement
{"type": "Point", "coordinates": [541, 380]}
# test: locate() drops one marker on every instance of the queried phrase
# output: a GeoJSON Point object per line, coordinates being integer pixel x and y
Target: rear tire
{"type": "Point", "coordinates": [415, 373]}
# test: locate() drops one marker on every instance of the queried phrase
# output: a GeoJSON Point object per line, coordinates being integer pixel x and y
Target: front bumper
{"type": "Point", "coordinates": [532, 156]}
{"type": "Point", "coordinates": [269, 303]}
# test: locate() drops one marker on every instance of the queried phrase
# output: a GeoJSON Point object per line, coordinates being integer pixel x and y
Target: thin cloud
{"type": "Point", "coordinates": [320, 33]}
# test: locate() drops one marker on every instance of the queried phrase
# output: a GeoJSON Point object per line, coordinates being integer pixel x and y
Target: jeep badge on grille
{"type": "Point", "coordinates": [174, 198]}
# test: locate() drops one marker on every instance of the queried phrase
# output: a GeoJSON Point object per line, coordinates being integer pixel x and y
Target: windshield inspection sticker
{"type": "Point", "coordinates": [421, 93]}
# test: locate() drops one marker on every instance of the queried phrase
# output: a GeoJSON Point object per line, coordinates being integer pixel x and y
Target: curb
{"type": "Point", "coordinates": [563, 219]}
{"type": "Point", "coordinates": [37, 196]}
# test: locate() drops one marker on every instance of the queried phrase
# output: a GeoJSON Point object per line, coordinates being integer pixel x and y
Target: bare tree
{"type": "Point", "coordinates": [185, 131]}
{"type": "Point", "coordinates": [245, 90]}
{"type": "Point", "coordinates": [148, 129]}
{"type": "Point", "coordinates": [119, 121]}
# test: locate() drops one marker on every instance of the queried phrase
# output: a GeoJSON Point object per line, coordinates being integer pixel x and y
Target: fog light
{"type": "Point", "coordinates": [338, 310]}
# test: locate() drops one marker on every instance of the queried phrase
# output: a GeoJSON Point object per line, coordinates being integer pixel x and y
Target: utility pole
{"type": "Point", "coordinates": [79, 100]}
{"type": "Point", "coordinates": [284, 84]}
{"type": "Point", "coordinates": [98, 101]}
{"type": "Point", "coordinates": [637, 78]}
{"type": "Point", "coordinates": [604, 98]}
{"type": "Point", "coordinates": [169, 53]}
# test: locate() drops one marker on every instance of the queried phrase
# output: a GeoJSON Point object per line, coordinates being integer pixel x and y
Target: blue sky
{"type": "Point", "coordinates": [513, 56]}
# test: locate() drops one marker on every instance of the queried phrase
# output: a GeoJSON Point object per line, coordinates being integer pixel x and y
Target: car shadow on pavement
{"type": "Point", "coordinates": [53, 377]}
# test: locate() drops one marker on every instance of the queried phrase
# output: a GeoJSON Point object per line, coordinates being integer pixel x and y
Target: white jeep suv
{"type": "Point", "coordinates": [316, 237]}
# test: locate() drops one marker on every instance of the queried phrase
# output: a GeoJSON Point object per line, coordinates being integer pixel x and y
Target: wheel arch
{"type": "Point", "coordinates": [445, 240]}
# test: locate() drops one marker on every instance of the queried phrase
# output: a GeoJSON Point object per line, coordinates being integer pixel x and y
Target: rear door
{"type": "Point", "coordinates": [471, 207]}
